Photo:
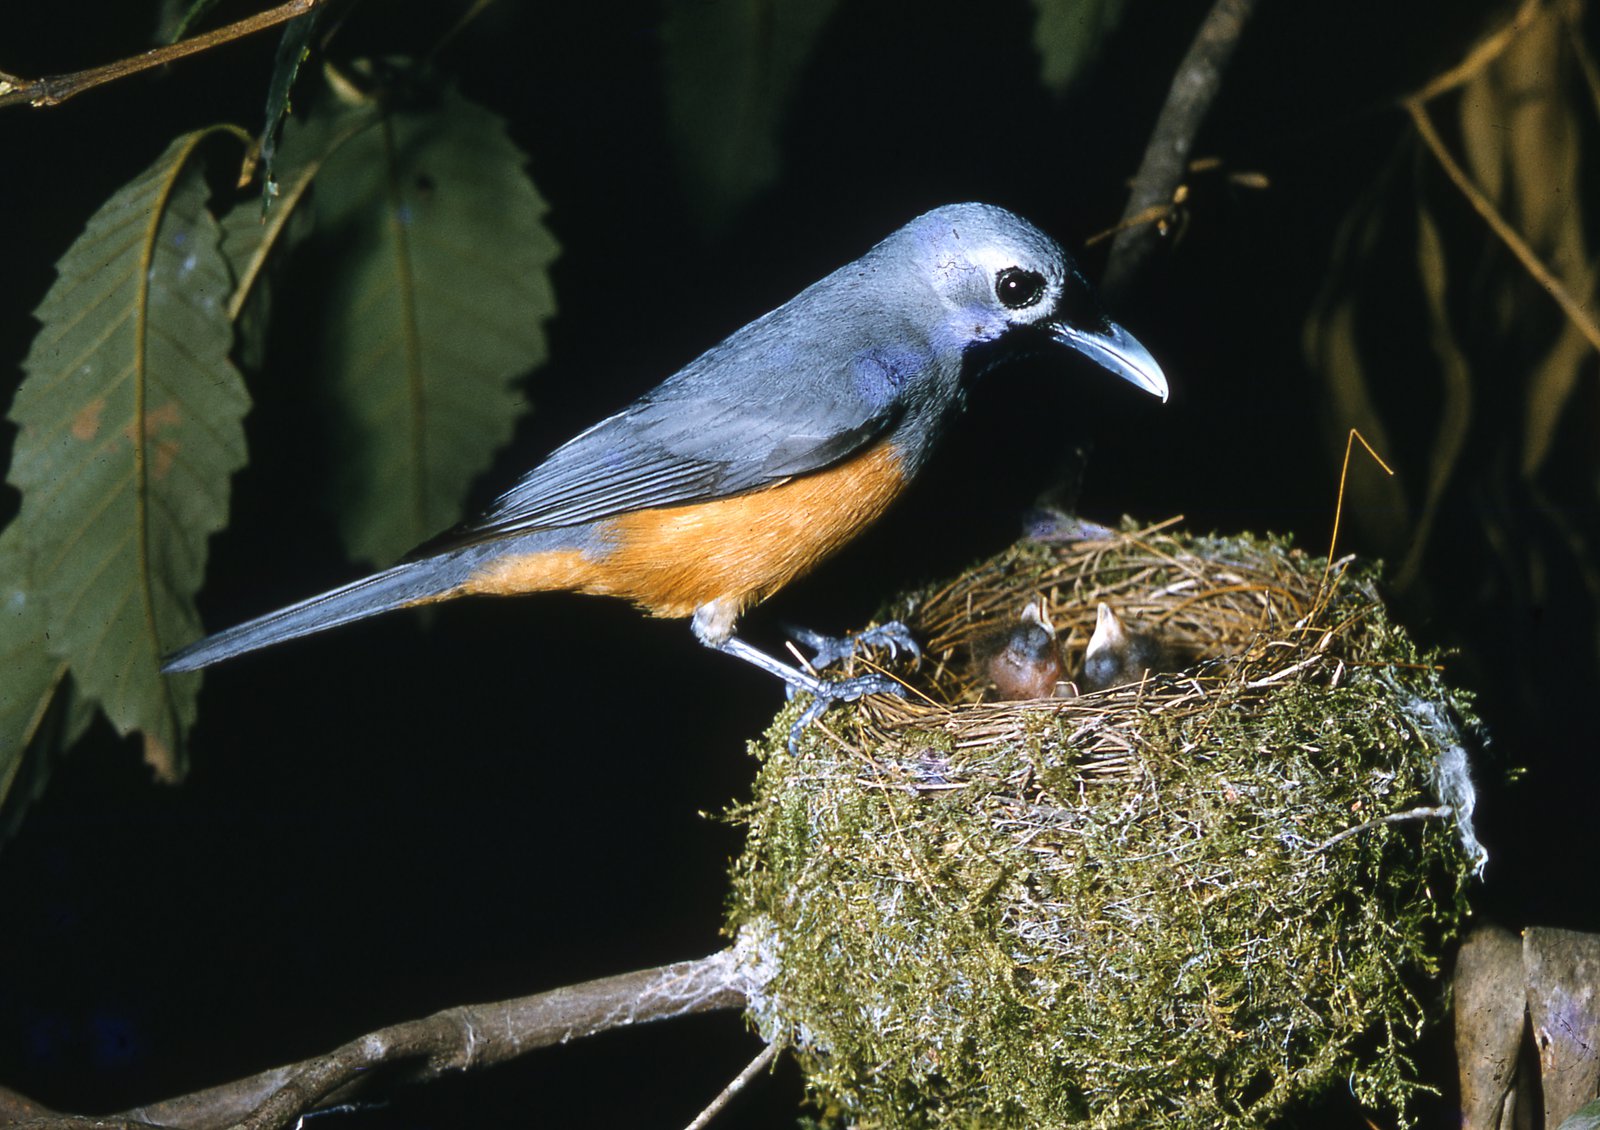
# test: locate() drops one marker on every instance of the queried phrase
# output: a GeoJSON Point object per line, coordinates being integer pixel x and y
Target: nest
{"type": "Point", "coordinates": [1192, 900]}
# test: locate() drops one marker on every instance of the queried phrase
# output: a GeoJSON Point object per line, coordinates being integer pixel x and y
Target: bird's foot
{"type": "Point", "coordinates": [825, 694]}
{"type": "Point", "coordinates": [834, 649]}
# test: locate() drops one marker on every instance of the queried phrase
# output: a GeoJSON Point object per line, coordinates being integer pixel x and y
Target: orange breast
{"type": "Point", "coordinates": [673, 559]}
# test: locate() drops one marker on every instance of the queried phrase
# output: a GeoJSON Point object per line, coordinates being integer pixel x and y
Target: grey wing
{"type": "Point", "coordinates": [713, 430]}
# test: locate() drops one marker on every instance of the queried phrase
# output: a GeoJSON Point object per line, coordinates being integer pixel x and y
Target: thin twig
{"type": "Point", "coordinates": [1439, 812]}
{"type": "Point", "coordinates": [1482, 205]}
{"type": "Point", "coordinates": [1193, 89]}
{"type": "Point", "coordinates": [52, 90]}
{"type": "Point", "coordinates": [714, 1107]}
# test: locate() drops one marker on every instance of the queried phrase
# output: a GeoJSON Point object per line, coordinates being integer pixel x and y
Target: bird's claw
{"type": "Point", "coordinates": [834, 649]}
{"type": "Point", "coordinates": [845, 690]}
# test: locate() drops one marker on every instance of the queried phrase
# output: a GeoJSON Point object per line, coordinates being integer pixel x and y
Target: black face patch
{"type": "Point", "coordinates": [1018, 289]}
{"type": "Point", "coordinates": [1078, 305]}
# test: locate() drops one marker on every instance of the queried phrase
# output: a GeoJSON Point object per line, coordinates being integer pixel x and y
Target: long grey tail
{"type": "Point", "coordinates": [410, 582]}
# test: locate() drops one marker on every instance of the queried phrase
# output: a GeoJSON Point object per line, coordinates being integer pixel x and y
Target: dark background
{"type": "Point", "coordinates": [507, 796]}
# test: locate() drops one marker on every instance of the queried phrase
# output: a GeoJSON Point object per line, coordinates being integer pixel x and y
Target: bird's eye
{"type": "Point", "coordinates": [1017, 288]}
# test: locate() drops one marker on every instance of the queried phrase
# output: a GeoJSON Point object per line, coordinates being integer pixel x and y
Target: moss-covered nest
{"type": "Point", "coordinates": [1190, 901]}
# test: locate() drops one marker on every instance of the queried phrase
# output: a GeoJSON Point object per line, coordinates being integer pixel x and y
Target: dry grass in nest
{"type": "Point", "coordinates": [1240, 612]}
{"type": "Point", "coordinates": [1191, 901]}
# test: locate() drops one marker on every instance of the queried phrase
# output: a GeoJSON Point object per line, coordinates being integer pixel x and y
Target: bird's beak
{"type": "Point", "coordinates": [1108, 631]}
{"type": "Point", "coordinates": [1117, 350]}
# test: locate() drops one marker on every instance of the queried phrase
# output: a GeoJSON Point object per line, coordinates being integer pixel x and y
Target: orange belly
{"type": "Point", "coordinates": [673, 559]}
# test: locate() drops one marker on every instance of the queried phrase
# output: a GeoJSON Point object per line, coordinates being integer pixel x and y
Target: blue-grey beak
{"type": "Point", "coordinates": [1117, 350]}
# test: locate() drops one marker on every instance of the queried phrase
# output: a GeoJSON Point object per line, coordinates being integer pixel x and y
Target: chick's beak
{"type": "Point", "coordinates": [1116, 349]}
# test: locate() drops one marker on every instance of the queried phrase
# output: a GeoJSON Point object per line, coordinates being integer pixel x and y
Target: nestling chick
{"type": "Point", "coordinates": [1024, 662]}
{"type": "Point", "coordinates": [1118, 655]}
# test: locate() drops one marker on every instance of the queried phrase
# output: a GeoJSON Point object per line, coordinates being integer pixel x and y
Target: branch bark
{"type": "Point", "coordinates": [464, 1038]}
{"type": "Point", "coordinates": [1166, 157]}
{"type": "Point", "coordinates": [52, 90]}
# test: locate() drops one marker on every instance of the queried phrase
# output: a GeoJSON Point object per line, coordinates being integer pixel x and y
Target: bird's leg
{"type": "Point", "coordinates": [713, 626]}
{"type": "Point", "coordinates": [831, 649]}
{"type": "Point", "coordinates": [824, 693]}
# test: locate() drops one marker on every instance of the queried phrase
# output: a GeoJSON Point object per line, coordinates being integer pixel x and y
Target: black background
{"type": "Point", "coordinates": [508, 795]}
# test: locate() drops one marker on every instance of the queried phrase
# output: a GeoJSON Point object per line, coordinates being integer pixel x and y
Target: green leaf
{"type": "Point", "coordinates": [41, 712]}
{"type": "Point", "coordinates": [251, 238]}
{"type": "Point", "coordinates": [1068, 33]}
{"type": "Point", "coordinates": [731, 67]}
{"type": "Point", "coordinates": [1587, 1118]}
{"type": "Point", "coordinates": [247, 243]}
{"type": "Point", "coordinates": [130, 427]}
{"type": "Point", "coordinates": [65, 718]}
{"type": "Point", "coordinates": [436, 304]}
{"type": "Point", "coordinates": [293, 49]}
{"type": "Point", "coordinates": [29, 676]}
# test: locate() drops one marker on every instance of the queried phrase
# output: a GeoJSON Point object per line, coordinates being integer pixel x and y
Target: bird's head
{"type": "Point", "coordinates": [998, 277]}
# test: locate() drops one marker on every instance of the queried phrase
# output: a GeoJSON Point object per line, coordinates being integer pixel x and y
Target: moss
{"type": "Point", "coordinates": [1129, 909]}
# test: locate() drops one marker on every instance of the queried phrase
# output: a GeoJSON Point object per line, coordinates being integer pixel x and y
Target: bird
{"type": "Point", "coordinates": [1051, 525]}
{"type": "Point", "coordinates": [1118, 654]}
{"type": "Point", "coordinates": [1023, 661]}
{"type": "Point", "coordinates": [762, 456]}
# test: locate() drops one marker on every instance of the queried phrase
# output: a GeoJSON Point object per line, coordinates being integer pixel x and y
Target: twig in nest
{"type": "Point", "coordinates": [1338, 509]}
{"type": "Point", "coordinates": [1436, 812]}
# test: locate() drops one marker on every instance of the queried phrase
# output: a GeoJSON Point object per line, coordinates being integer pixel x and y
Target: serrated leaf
{"type": "Point", "coordinates": [436, 305]}
{"type": "Point", "coordinates": [1068, 33]}
{"type": "Point", "coordinates": [130, 428]}
{"type": "Point", "coordinates": [730, 69]}
{"type": "Point", "coordinates": [29, 676]}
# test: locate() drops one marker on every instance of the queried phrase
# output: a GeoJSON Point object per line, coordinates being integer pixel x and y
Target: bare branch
{"type": "Point", "coordinates": [1194, 87]}
{"type": "Point", "coordinates": [52, 90]}
{"type": "Point", "coordinates": [742, 1080]}
{"type": "Point", "coordinates": [457, 1039]}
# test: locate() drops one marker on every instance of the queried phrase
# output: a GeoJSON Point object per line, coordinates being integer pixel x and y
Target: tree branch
{"type": "Point", "coordinates": [52, 90]}
{"type": "Point", "coordinates": [457, 1039]}
{"type": "Point", "coordinates": [1166, 157]}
